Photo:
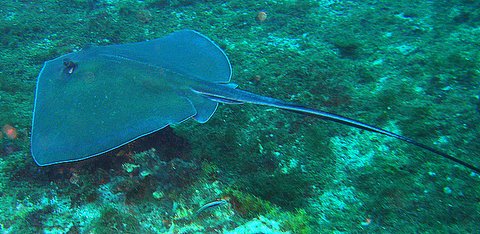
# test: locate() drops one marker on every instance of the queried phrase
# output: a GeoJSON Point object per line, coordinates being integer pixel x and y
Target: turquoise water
{"type": "Point", "coordinates": [409, 67]}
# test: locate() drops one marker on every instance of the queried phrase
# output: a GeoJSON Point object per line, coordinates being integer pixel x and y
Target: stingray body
{"type": "Point", "coordinates": [95, 100]}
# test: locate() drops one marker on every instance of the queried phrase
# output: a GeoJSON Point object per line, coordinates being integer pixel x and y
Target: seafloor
{"type": "Point", "coordinates": [411, 67]}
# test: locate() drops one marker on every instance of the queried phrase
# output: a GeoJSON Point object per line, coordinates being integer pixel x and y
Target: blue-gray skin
{"type": "Point", "coordinates": [98, 99]}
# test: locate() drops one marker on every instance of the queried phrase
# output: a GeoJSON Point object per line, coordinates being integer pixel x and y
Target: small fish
{"type": "Point", "coordinates": [211, 205]}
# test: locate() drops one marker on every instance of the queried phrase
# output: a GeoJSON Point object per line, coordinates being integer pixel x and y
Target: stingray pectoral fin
{"type": "Point", "coordinates": [103, 104]}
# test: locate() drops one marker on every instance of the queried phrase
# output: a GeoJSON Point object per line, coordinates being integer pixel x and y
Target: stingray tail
{"type": "Point", "coordinates": [237, 96]}
{"type": "Point", "coordinates": [364, 126]}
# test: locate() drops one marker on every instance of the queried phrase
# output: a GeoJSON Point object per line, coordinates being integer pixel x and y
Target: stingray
{"type": "Point", "coordinates": [100, 98]}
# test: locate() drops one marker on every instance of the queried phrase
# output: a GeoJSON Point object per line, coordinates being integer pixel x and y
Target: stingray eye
{"type": "Point", "coordinates": [70, 66]}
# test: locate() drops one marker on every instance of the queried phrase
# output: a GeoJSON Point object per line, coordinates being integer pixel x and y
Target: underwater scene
{"type": "Point", "coordinates": [128, 141]}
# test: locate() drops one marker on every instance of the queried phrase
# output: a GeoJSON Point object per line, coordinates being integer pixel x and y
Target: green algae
{"type": "Point", "coordinates": [299, 222]}
{"type": "Point", "coordinates": [409, 67]}
{"type": "Point", "coordinates": [248, 205]}
{"type": "Point", "coordinates": [31, 220]}
{"type": "Point", "coordinates": [113, 220]}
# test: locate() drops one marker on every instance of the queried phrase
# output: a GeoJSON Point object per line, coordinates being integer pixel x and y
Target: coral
{"type": "Point", "coordinates": [247, 205]}
{"type": "Point", "coordinates": [113, 220]}
{"type": "Point", "coordinates": [258, 225]}
{"type": "Point", "coordinates": [287, 190]}
{"type": "Point", "coordinates": [210, 170]}
{"type": "Point", "coordinates": [389, 63]}
{"type": "Point", "coordinates": [32, 219]}
{"type": "Point", "coordinates": [298, 222]}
